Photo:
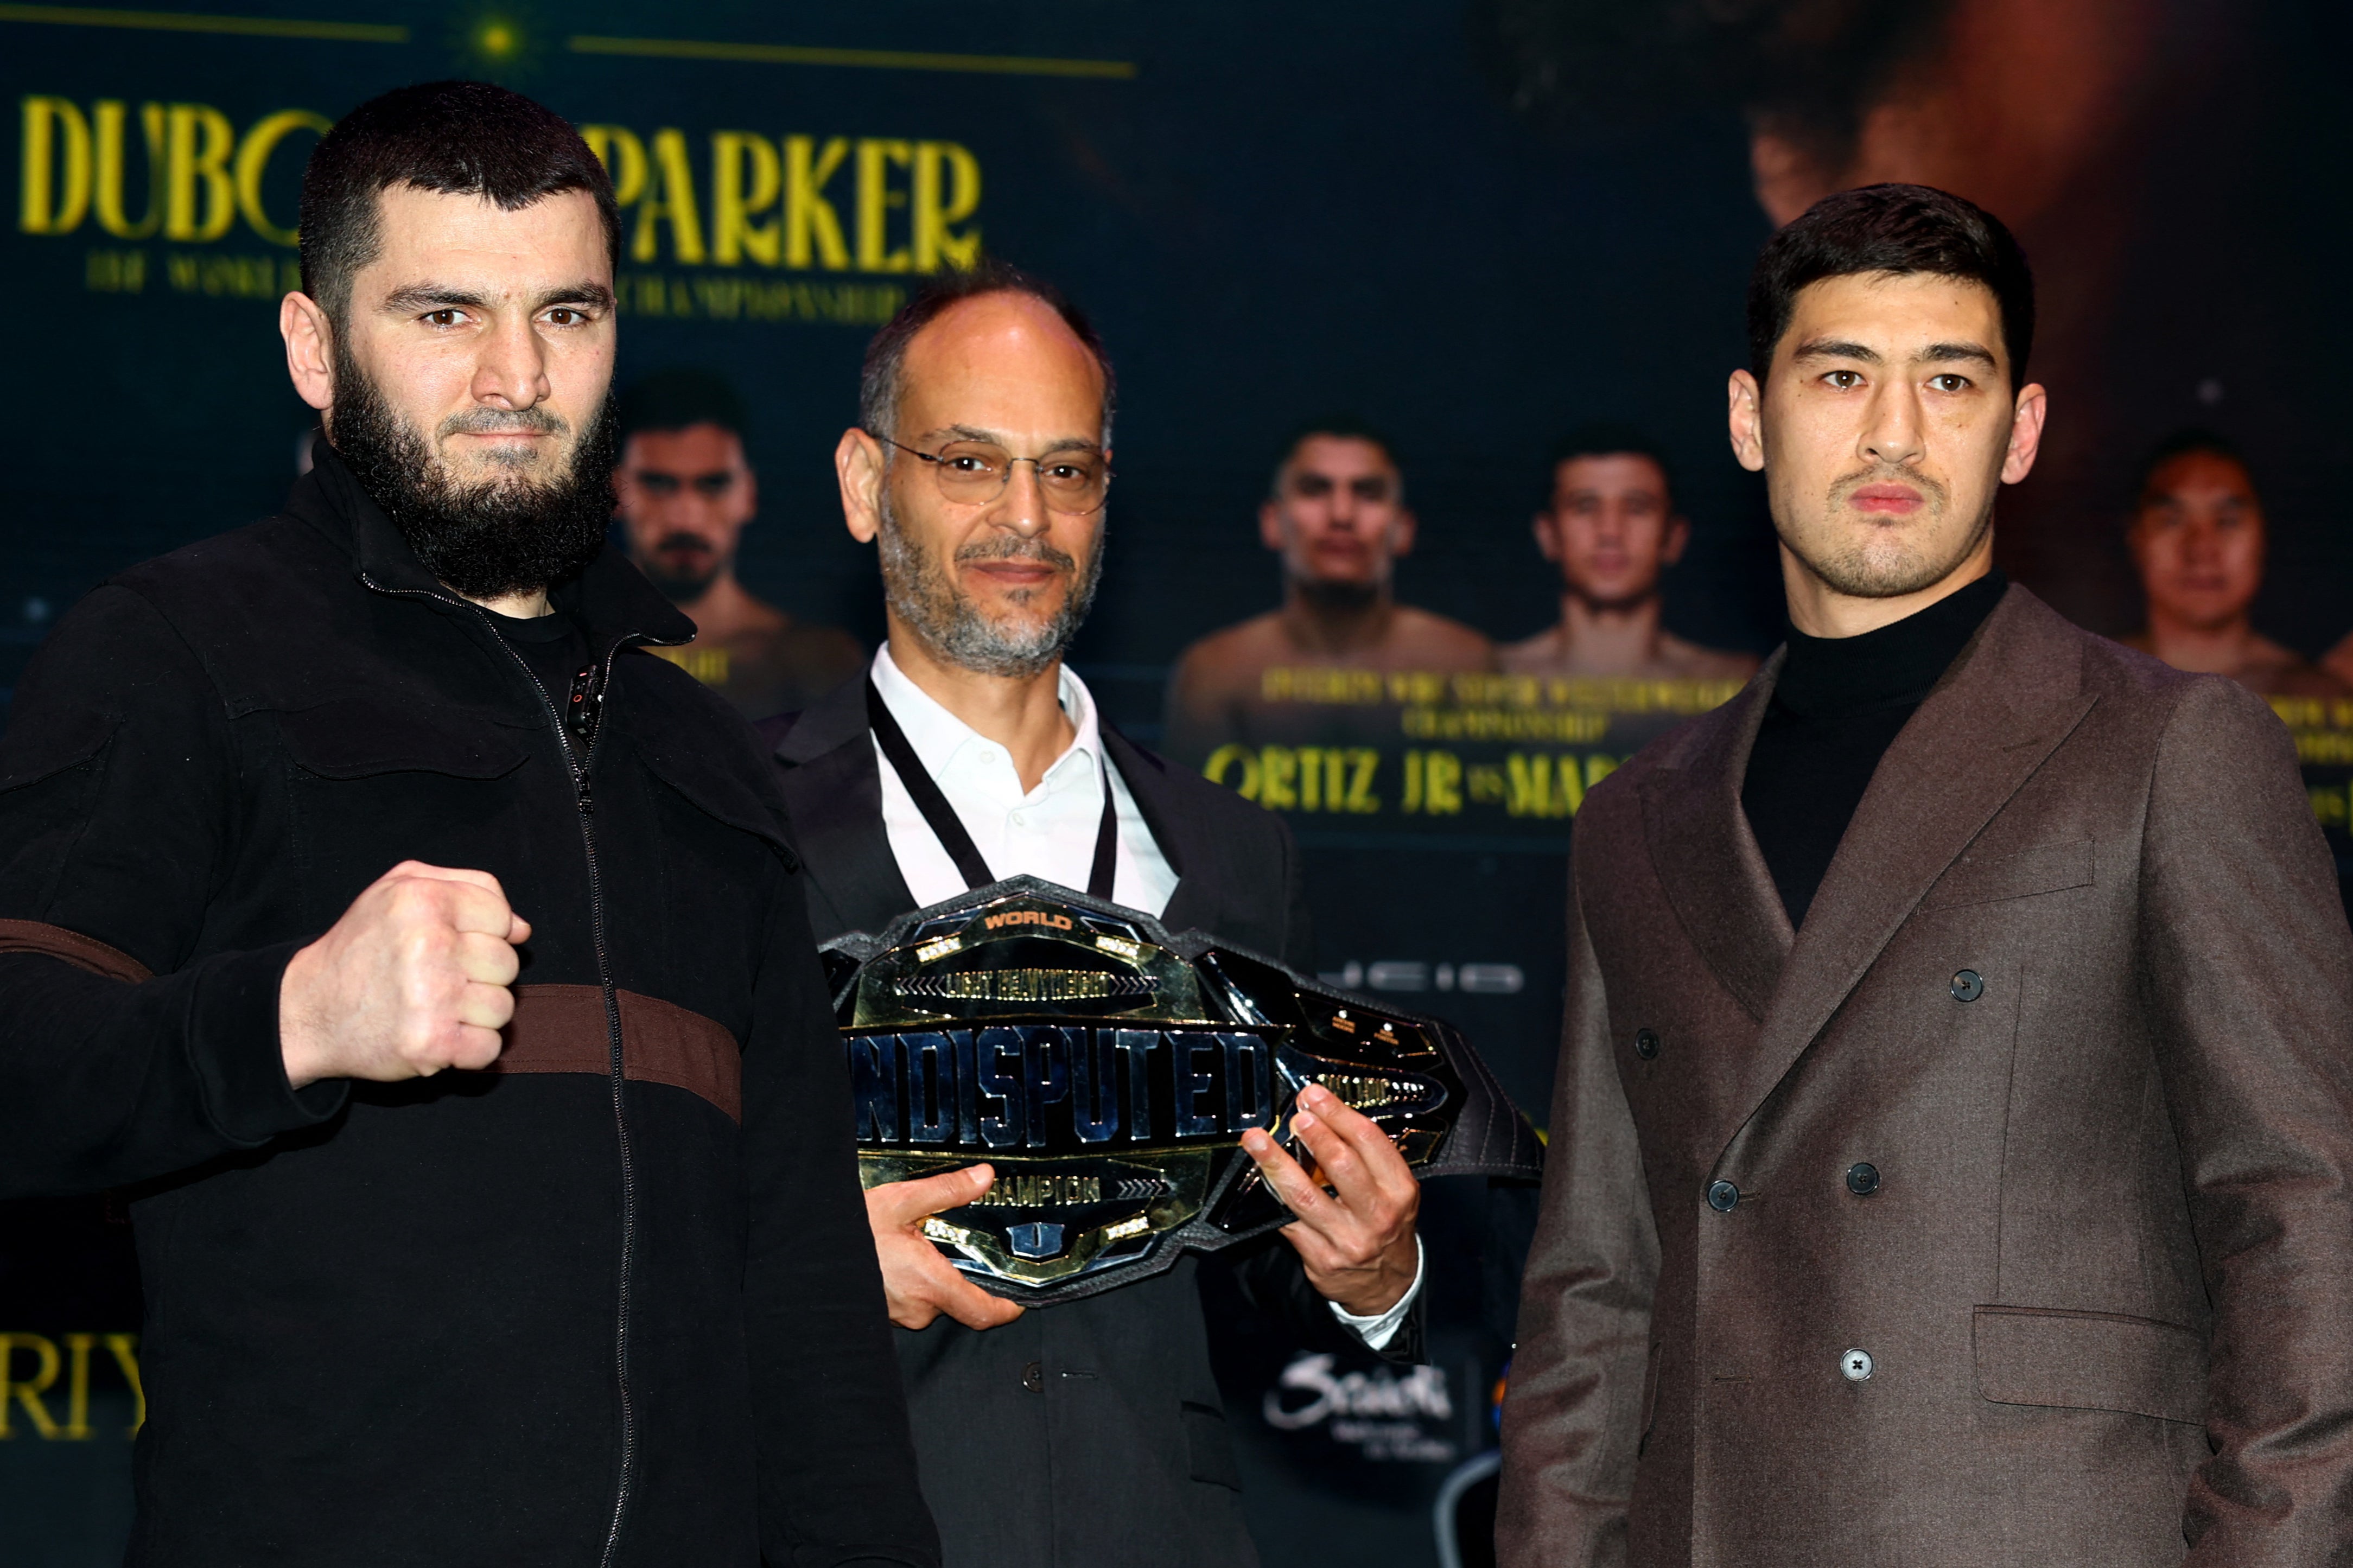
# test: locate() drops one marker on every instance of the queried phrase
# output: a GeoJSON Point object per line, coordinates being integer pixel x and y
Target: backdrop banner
{"type": "Point", "coordinates": [1470, 225]}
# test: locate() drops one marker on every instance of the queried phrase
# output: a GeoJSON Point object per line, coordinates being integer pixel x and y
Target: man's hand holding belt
{"type": "Point", "coordinates": [1356, 1241]}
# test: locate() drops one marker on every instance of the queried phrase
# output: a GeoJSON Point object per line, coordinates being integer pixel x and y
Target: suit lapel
{"type": "Point", "coordinates": [2009, 700]}
{"type": "Point", "coordinates": [833, 788]}
{"type": "Point", "coordinates": [1193, 904]}
{"type": "Point", "coordinates": [1706, 857]}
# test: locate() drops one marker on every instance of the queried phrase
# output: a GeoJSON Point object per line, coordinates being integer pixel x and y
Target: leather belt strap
{"type": "Point", "coordinates": [81, 952]}
{"type": "Point", "coordinates": [555, 1028]}
{"type": "Point", "coordinates": [562, 1028]}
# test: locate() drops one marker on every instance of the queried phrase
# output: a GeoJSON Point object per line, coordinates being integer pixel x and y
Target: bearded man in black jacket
{"type": "Point", "coordinates": [498, 1214]}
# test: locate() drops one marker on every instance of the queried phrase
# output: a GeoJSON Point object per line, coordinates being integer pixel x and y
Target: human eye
{"type": "Point", "coordinates": [447, 316]}
{"type": "Point", "coordinates": [1312, 487]}
{"type": "Point", "coordinates": [969, 460]}
{"type": "Point", "coordinates": [1949, 381]}
{"type": "Point", "coordinates": [567, 316]}
{"type": "Point", "coordinates": [1843, 380]}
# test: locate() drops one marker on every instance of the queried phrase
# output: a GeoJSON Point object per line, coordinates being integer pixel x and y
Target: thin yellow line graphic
{"type": "Point", "coordinates": [867, 60]}
{"type": "Point", "coordinates": [194, 22]}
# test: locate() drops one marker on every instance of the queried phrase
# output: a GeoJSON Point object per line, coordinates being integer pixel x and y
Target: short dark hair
{"type": "Point", "coordinates": [1892, 228]}
{"type": "Point", "coordinates": [2181, 443]}
{"type": "Point", "coordinates": [1338, 427]}
{"type": "Point", "coordinates": [453, 137]}
{"type": "Point", "coordinates": [1608, 439]}
{"type": "Point", "coordinates": [679, 400]}
{"type": "Point", "coordinates": [879, 380]}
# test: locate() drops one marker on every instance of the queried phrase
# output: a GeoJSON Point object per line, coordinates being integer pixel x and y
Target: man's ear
{"type": "Point", "coordinates": [1547, 532]}
{"type": "Point", "coordinates": [1269, 524]}
{"type": "Point", "coordinates": [1403, 532]}
{"type": "Point", "coordinates": [750, 490]}
{"type": "Point", "coordinates": [857, 465]}
{"type": "Point", "coordinates": [309, 348]}
{"type": "Point", "coordinates": [2025, 433]}
{"type": "Point", "coordinates": [1746, 419]}
{"type": "Point", "coordinates": [1678, 535]}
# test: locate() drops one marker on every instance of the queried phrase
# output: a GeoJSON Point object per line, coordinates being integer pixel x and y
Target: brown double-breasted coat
{"type": "Point", "coordinates": [2078, 989]}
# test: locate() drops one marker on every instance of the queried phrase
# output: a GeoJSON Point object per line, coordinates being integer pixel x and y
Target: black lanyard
{"type": "Point", "coordinates": [948, 828]}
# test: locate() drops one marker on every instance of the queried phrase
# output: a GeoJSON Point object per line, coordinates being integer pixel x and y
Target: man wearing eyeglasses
{"type": "Point", "coordinates": [1086, 1434]}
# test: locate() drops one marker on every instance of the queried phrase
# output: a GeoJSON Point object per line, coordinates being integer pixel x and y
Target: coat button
{"type": "Point", "coordinates": [1863, 1179]}
{"type": "Point", "coordinates": [1968, 985]}
{"type": "Point", "coordinates": [1856, 1366]}
{"type": "Point", "coordinates": [1723, 1196]}
{"type": "Point", "coordinates": [1646, 1044]}
{"type": "Point", "coordinates": [1033, 1377]}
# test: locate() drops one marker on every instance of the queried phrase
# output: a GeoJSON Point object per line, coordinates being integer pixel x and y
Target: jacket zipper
{"type": "Point", "coordinates": [584, 708]}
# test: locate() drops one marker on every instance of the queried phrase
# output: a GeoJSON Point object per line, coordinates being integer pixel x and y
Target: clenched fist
{"type": "Point", "coordinates": [413, 979]}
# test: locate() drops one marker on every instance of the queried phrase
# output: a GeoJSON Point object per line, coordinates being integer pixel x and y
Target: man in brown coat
{"type": "Point", "coordinates": [1952, 1157]}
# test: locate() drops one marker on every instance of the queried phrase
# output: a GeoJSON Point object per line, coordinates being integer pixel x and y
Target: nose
{"type": "Point", "coordinates": [512, 371]}
{"type": "Point", "coordinates": [1022, 505]}
{"type": "Point", "coordinates": [1893, 432]}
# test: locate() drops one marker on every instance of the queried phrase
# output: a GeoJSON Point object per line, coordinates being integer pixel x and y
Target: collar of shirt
{"type": "Point", "coordinates": [1048, 832]}
{"type": "Point", "coordinates": [952, 750]}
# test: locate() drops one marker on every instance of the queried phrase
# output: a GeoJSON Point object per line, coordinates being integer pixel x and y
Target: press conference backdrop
{"type": "Point", "coordinates": [1470, 225]}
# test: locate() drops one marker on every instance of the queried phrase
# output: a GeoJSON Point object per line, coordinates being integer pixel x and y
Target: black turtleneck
{"type": "Point", "coordinates": [1836, 709]}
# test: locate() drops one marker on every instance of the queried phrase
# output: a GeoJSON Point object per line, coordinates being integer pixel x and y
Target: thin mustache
{"type": "Point", "coordinates": [487, 421]}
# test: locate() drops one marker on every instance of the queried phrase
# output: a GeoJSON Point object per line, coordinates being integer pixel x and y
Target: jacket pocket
{"type": "Point", "coordinates": [358, 739]}
{"type": "Point", "coordinates": [1212, 1445]}
{"type": "Point", "coordinates": [2090, 1361]}
{"type": "Point", "coordinates": [2045, 868]}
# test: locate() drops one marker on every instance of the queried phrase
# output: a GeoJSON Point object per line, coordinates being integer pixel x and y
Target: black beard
{"type": "Point", "coordinates": [1340, 598]}
{"type": "Point", "coordinates": [488, 540]}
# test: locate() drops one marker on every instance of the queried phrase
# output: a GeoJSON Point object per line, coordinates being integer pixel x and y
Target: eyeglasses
{"type": "Point", "coordinates": [974, 472]}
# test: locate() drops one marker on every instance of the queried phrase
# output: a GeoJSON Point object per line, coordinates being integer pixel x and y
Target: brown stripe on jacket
{"type": "Point", "coordinates": [562, 1028]}
{"type": "Point", "coordinates": [81, 952]}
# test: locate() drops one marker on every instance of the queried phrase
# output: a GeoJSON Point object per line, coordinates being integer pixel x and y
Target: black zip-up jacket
{"type": "Point", "coordinates": [612, 1303]}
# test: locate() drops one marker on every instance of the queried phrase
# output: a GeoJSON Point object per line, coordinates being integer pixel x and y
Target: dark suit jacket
{"type": "Point", "coordinates": [1088, 1435]}
{"type": "Point", "coordinates": [2078, 986]}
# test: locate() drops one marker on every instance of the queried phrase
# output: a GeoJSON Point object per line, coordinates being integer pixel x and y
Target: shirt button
{"type": "Point", "coordinates": [1723, 1196]}
{"type": "Point", "coordinates": [988, 757]}
{"type": "Point", "coordinates": [1863, 1179]}
{"type": "Point", "coordinates": [1019, 821]}
{"type": "Point", "coordinates": [1646, 1044]}
{"type": "Point", "coordinates": [1857, 1366]}
{"type": "Point", "coordinates": [1968, 985]}
{"type": "Point", "coordinates": [1033, 1376]}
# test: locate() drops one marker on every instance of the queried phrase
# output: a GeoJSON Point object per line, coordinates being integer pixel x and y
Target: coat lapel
{"type": "Point", "coordinates": [1193, 904]}
{"type": "Point", "coordinates": [1706, 857]}
{"type": "Point", "coordinates": [2009, 700]}
{"type": "Point", "coordinates": [833, 788]}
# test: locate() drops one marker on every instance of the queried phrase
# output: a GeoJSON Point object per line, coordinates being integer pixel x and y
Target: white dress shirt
{"type": "Point", "coordinates": [1048, 832]}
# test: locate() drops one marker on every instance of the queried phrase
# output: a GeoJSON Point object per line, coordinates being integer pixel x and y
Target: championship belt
{"type": "Point", "coordinates": [1106, 1068]}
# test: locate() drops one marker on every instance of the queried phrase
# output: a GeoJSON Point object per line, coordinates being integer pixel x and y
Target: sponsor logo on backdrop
{"type": "Point", "coordinates": [1421, 751]}
{"type": "Point", "coordinates": [1397, 1415]}
{"type": "Point", "coordinates": [45, 1386]}
{"type": "Point", "coordinates": [2323, 728]}
{"type": "Point", "coordinates": [718, 224]}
